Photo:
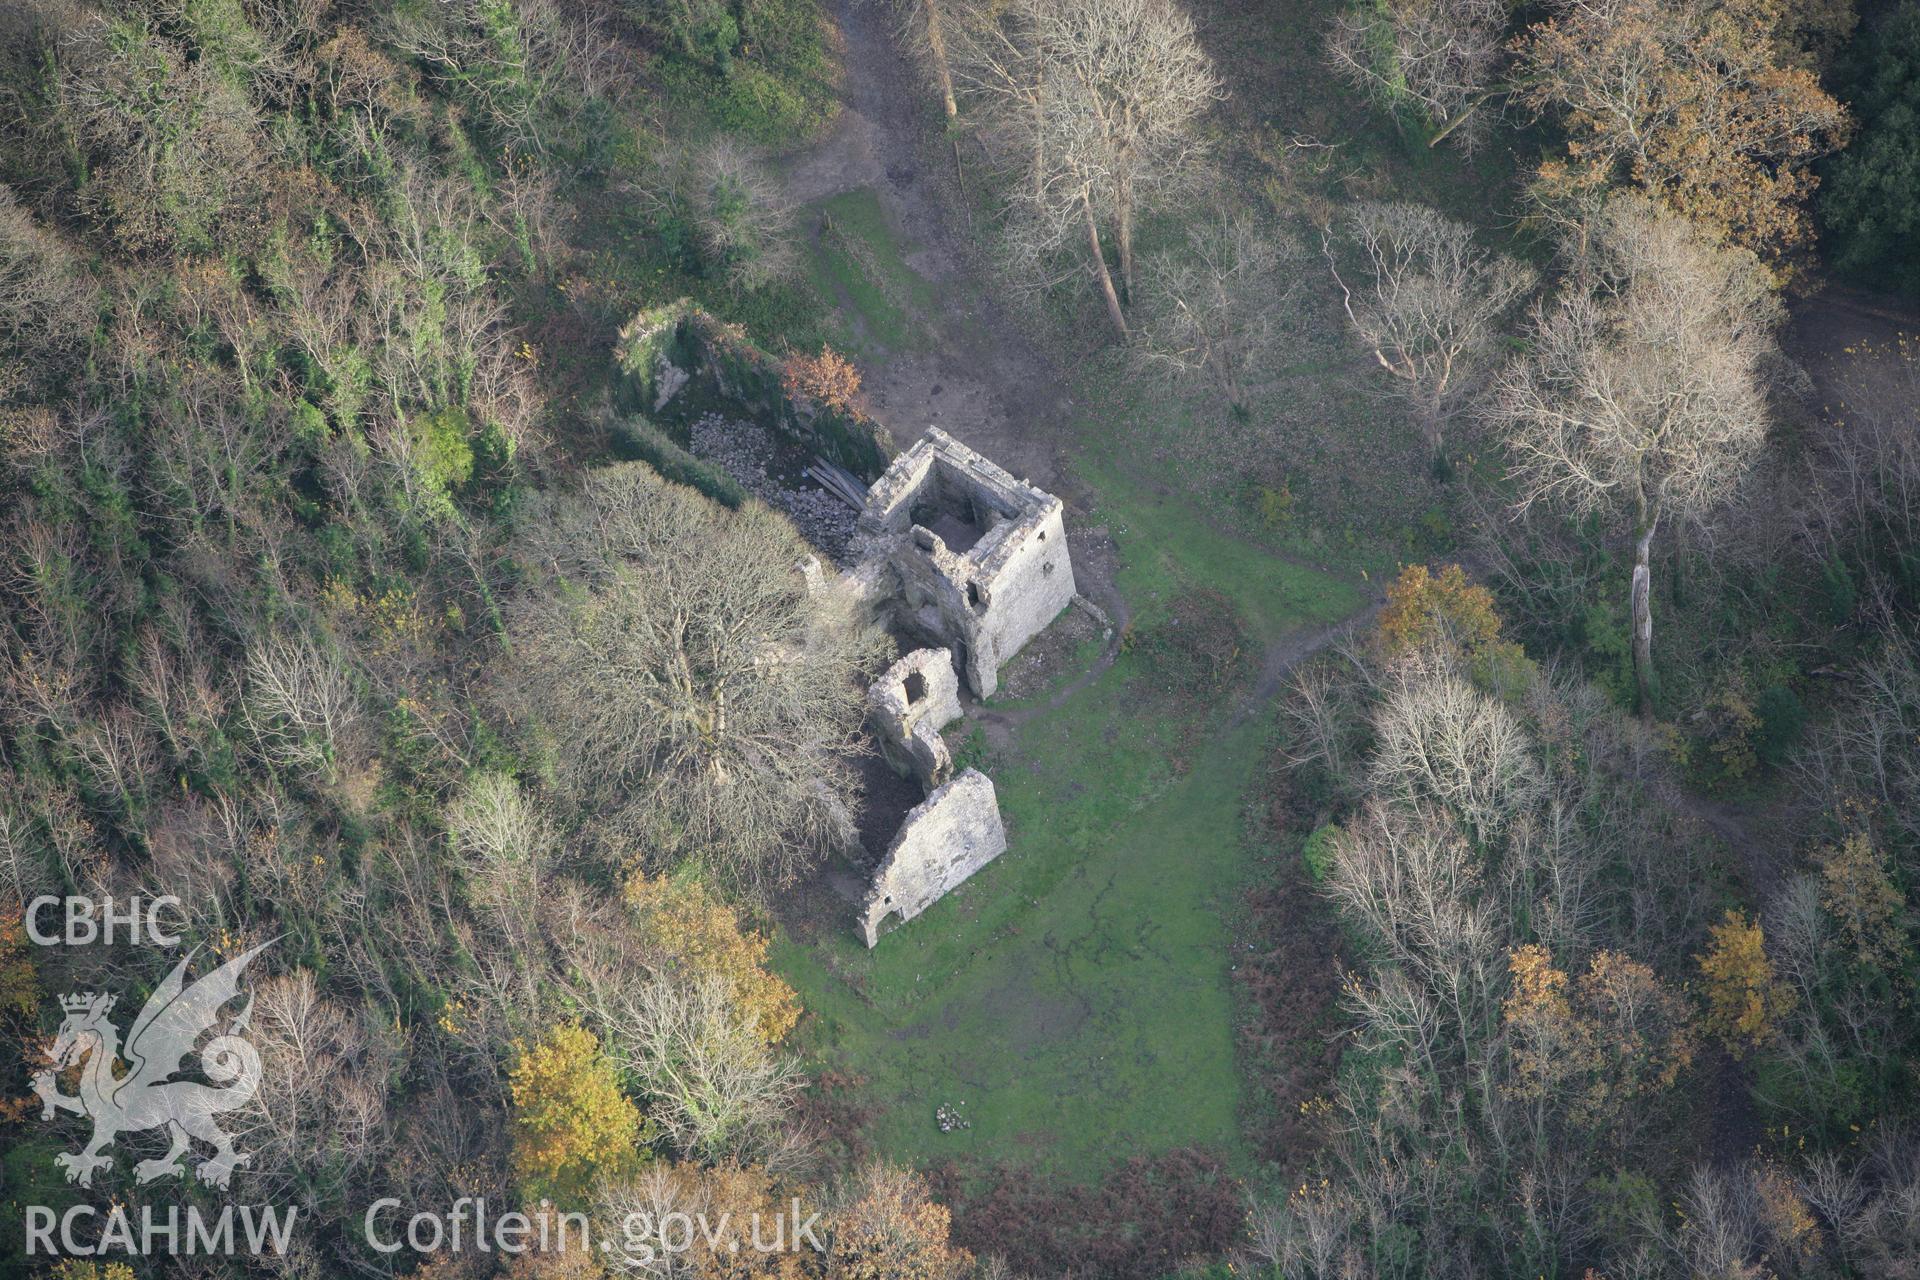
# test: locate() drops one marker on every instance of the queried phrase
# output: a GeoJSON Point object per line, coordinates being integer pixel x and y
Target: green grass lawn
{"type": "Point", "coordinates": [1073, 999]}
{"type": "Point", "coordinates": [1074, 995]}
{"type": "Point", "coordinates": [854, 260]}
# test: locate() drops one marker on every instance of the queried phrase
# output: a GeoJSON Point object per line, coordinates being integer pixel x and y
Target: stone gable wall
{"type": "Point", "coordinates": [949, 836]}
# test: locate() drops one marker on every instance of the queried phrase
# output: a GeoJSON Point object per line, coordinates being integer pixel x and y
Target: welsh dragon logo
{"type": "Point", "coordinates": [143, 1095]}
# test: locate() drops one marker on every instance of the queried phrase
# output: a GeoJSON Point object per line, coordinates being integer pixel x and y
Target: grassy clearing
{"type": "Point", "coordinates": [1320, 474]}
{"type": "Point", "coordinates": [854, 259]}
{"type": "Point", "coordinates": [1074, 999]}
{"type": "Point", "coordinates": [1074, 995]}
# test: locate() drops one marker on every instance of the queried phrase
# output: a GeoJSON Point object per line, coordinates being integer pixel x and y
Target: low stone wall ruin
{"type": "Point", "coordinates": [908, 706]}
{"type": "Point", "coordinates": [957, 553]}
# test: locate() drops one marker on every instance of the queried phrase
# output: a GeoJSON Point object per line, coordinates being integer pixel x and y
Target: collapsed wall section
{"type": "Point", "coordinates": [665, 352]}
{"type": "Point", "coordinates": [908, 706]}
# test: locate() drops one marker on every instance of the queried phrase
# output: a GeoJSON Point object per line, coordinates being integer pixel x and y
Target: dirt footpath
{"type": "Point", "coordinates": [983, 379]}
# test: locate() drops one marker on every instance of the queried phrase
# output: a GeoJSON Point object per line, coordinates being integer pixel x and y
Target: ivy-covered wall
{"type": "Point", "coordinates": [664, 350]}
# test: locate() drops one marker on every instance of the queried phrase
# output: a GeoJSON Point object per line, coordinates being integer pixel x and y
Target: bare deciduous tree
{"type": "Point", "coordinates": [47, 301]}
{"type": "Point", "coordinates": [711, 1081]}
{"type": "Point", "coordinates": [1430, 307]}
{"type": "Point", "coordinates": [508, 847]}
{"type": "Point", "coordinates": [926, 25]}
{"type": "Point", "coordinates": [504, 836]}
{"type": "Point", "coordinates": [172, 145]}
{"type": "Point", "coordinates": [511, 62]}
{"type": "Point", "coordinates": [1322, 713]}
{"type": "Point", "coordinates": [1883, 1236]}
{"type": "Point", "coordinates": [998, 62]}
{"type": "Point", "coordinates": [740, 215]}
{"type": "Point", "coordinates": [1125, 83]}
{"type": "Point", "coordinates": [1441, 741]}
{"type": "Point", "coordinates": [1867, 746]}
{"type": "Point", "coordinates": [1213, 306]}
{"type": "Point", "coordinates": [1306, 1235]}
{"type": "Point", "coordinates": [319, 1115]}
{"type": "Point", "coordinates": [25, 872]}
{"type": "Point", "coordinates": [299, 700]}
{"type": "Point", "coordinates": [1439, 55]}
{"type": "Point", "coordinates": [1643, 395]}
{"type": "Point", "coordinates": [1692, 102]}
{"type": "Point", "coordinates": [1862, 516]}
{"type": "Point", "coordinates": [1413, 881]}
{"type": "Point", "coordinates": [697, 693]}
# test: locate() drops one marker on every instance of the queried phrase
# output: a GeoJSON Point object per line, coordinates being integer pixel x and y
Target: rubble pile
{"type": "Point", "coordinates": [745, 451]}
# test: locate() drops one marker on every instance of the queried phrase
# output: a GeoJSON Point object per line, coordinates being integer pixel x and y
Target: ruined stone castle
{"type": "Point", "coordinates": [972, 563]}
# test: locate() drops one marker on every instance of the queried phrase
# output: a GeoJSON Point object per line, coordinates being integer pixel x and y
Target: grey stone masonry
{"type": "Point", "coordinates": [908, 706]}
{"type": "Point", "coordinates": [950, 835]}
{"type": "Point", "coordinates": [980, 558]}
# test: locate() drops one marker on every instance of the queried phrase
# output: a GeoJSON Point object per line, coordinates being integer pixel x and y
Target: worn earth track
{"type": "Point", "coordinates": [982, 378]}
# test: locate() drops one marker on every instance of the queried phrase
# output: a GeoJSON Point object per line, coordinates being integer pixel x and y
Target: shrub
{"type": "Point", "coordinates": [1147, 1216]}
{"type": "Point", "coordinates": [445, 456]}
{"type": "Point", "coordinates": [1602, 632]}
{"type": "Point", "coordinates": [637, 440]}
{"type": "Point", "coordinates": [829, 378]}
{"type": "Point", "coordinates": [1782, 718]}
{"type": "Point", "coordinates": [1277, 506]}
{"type": "Point", "coordinates": [1317, 852]}
{"type": "Point", "coordinates": [1200, 647]}
{"type": "Point", "coordinates": [739, 216]}
{"type": "Point", "coordinates": [1731, 725]}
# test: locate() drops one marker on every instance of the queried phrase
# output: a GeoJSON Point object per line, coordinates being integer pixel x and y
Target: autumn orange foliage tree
{"type": "Point", "coordinates": [76, 1269]}
{"type": "Point", "coordinates": [19, 997]}
{"type": "Point", "coordinates": [1745, 999]}
{"type": "Point", "coordinates": [1603, 1044]}
{"type": "Point", "coordinates": [566, 1255]}
{"type": "Point", "coordinates": [829, 378]}
{"type": "Point", "coordinates": [1422, 608]}
{"type": "Point", "coordinates": [1690, 100]}
{"type": "Point", "coordinates": [704, 935]}
{"type": "Point", "coordinates": [750, 1229]}
{"type": "Point", "coordinates": [1859, 893]}
{"type": "Point", "coordinates": [572, 1125]}
{"type": "Point", "coordinates": [888, 1227]}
